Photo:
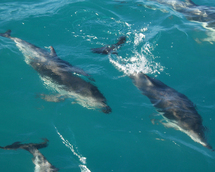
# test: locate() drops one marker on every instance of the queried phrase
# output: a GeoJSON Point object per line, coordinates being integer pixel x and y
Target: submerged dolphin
{"type": "Point", "coordinates": [110, 49]}
{"type": "Point", "coordinates": [178, 111]}
{"type": "Point", "coordinates": [60, 76]}
{"type": "Point", "coordinates": [193, 12]}
{"type": "Point", "coordinates": [41, 163]}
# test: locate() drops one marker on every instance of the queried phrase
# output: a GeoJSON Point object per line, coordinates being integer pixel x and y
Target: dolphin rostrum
{"type": "Point", "coordinates": [61, 76]}
{"type": "Point", "coordinates": [110, 49]}
{"type": "Point", "coordinates": [193, 12]}
{"type": "Point", "coordinates": [178, 111]}
{"type": "Point", "coordinates": [41, 163]}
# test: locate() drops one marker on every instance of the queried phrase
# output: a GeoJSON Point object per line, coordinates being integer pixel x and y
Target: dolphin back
{"type": "Point", "coordinates": [145, 83]}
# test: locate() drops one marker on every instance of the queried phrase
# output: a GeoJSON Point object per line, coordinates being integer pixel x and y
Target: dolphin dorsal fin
{"type": "Point", "coordinates": [190, 2]}
{"type": "Point", "coordinates": [53, 53]}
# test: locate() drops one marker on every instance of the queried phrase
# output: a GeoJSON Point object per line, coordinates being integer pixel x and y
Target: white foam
{"type": "Point", "coordinates": [75, 152]}
{"type": "Point", "coordinates": [139, 62]}
{"type": "Point", "coordinates": [138, 38]}
{"type": "Point", "coordinates": [84, 168]}
{"type": "Point", "coordinates": [140, 56]}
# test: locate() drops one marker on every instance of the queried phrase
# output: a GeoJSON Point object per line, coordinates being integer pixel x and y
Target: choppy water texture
{"type": "Point", "coordinates": [160, 42]}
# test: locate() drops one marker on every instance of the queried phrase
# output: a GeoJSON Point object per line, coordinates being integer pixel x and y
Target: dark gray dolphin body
{"type": "Point", "coordinates": [110, 49]}
{"type": "Point", "coordinates": [60, 76]}
{"type": "Point", "coordinates": [192, 11]}
{"type": "Point", "coordinates": [178, 111]}
{"type": "Point", "coordinates": [41, 163]}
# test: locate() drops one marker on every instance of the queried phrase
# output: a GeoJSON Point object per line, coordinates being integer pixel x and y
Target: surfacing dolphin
{"type": "Point", "coordinates": [61, 76]}
{"type": "Point", "coordinates": [41, 163]}
{"type": "Point", "coordinates": [193, 12]}
{"type": "Point", "coordinates": [178, 111]}
{"type": "Point", "coordinates": [110, 49]}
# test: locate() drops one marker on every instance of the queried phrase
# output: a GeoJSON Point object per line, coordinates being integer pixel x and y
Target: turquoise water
{"type": "Point", "coordinates": [160, 42]}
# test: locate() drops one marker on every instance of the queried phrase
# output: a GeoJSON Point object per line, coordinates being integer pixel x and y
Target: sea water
{"type": "Point", "coordinates": [160, 42]}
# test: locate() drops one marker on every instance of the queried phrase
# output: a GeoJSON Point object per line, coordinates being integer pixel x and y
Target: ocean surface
{"type": "Point", "coordinates": [161, 43]}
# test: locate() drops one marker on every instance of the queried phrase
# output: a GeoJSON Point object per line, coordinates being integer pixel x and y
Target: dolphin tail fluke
{"type": "Point", "coordinates": [30, 147]}
{"type": "Point", "coordinates": [18, 145]}
{"type": "Point", "coordinates": [121, 40]}
{"type": "Point", "coordinates": [6, 34]}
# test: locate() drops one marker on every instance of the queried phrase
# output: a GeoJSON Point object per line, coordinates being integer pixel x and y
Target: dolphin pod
{"type": "Point", "coordinates": [41, 163]}
{"type": "Point", "coordinates": [61, 76]}
{"type": "Point", "coordinates": [177, 110]}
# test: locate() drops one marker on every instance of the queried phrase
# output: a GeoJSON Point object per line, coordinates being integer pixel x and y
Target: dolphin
{"type": "Point", "coordinates": [61, 76]}
{"type": "Point", "coordinates": [110, 49]}
{"type": "Point", "coordinates": [41, 163]}
{"type": "Point", "coordinates": [177, 110]}
{"type": "Point", "coordinates": [193, 12]}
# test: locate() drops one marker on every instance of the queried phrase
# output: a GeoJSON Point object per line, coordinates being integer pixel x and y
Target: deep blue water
{"type": "Point", "coordinates": [160, 42]}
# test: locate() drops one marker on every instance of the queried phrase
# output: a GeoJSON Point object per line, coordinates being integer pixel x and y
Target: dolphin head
{"type": "Point", "coordinates": [199, 137]}
{"type": "Point", "coordinates": [106, 109]}
{"type": "Point", "coordinates": [196, 131]}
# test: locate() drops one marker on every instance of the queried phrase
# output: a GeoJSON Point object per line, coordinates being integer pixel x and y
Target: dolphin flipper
{"type": "Point", "coordinates": [52, 98]}
{"type": "Point", "coordinates": [6, 34]}
{"type": "Point", "coordinates": [81, 72]}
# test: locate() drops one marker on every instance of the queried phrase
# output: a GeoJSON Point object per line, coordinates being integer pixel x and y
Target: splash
{"type": "Point", "coordinates": [82, 159]}
{"type": "Point", "coordinates": [140, 58]}
{"type": "Point", "coordinates": [139, 62]}
{"type": "Point", "coordinates": [138, 38]}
